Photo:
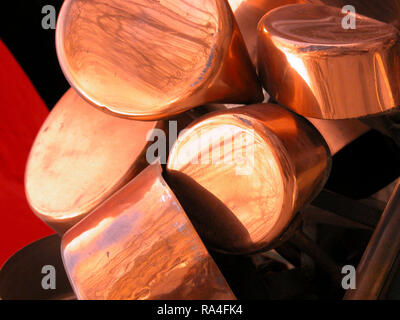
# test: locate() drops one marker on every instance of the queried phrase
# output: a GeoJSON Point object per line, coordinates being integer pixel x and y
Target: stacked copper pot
{"type": "Point", "coordinates": [242, 167]}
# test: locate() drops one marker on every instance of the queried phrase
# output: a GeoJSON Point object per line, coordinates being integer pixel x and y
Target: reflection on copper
{"type": "Point", "coordinates": [152, 59]}
{"type": "Point", "coordinates": [80, 157]}
{"type": "Point", "coordinates": [248, 13]}
{"type": "Point", "coordinates": [140, 245]}
{"type": "Point", "coordinates": [339, 133]}
{"type": "Point", "coordinates": [309, 63]}
{"type": "Point", "coordinates": [383, 10]}
{"type": "Point", "coordinates": [245, 172]}
{"type": "Point", "coordinates": [21, 276]}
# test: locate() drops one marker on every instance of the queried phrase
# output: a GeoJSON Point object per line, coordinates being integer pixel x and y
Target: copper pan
{"type": "Point", "coordinates": [80, 157]}
{"type": "Point", "coordinates": [139, 245]}
{"type": "Point", "coordinates": [21, 276]}
{"type": "Point", "coordinates": [245, 173]}
{"type": "Point", "coordinates": [310, 64]}
{"type": "Point", "coordinates": [150, 59]}
{"type": "Point", "coordinates": [249, 12]}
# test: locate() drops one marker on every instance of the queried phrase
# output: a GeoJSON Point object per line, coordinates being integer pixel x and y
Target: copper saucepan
{"type": "Point", "coordinates": [140, 245]}
{"type": "Point", "coordinates": [80, 157]}
{"type": "Point", "coordinates": [153, 59]}
{"type": "Point", "coordinates": [244, 173]}
{"type": "Point", "coordinates": [311, 64]}
{"type": "Point", "coordinates": [248, 13]}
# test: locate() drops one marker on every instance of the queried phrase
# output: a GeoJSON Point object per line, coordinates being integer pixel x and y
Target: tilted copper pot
{"type": "Point", "coordinates": [244, 173]}
{"type": "Point", "coordinates": [140, 245]}
{"type": "Point", "coordinates": [151, 60]}
{"type": "Point", "coordinates": [249, 12]}
{"type": "Point", "coordinates": [311, 64]}
{"type": "Point", "coordinates": [80, 157]}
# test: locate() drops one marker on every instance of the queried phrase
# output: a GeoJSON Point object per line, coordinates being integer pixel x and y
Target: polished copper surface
{"type": "Point", "coordinates": [309, 63]}
{"type": "Point", "coordinates": [153, 59]}
{"type": "Point", "coordinates": [339, 133]}
{"type": "Point", "coordinates": [80, 157]}
{"type": "Point", "coordinates": [140, 245]}
{"type": "Point", "coordinates": [248, 13]}
{"type": "Point", "coordinates": [383, 10]}
{"type": "Point", "coordinates": [245, 172]}
{"type": "Point", "coordinates": [21, 276]}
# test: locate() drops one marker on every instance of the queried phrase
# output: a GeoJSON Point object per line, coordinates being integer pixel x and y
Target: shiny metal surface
{"type": "Point", "coordinates": [245, 172]}
{"type": "Point", "coordinates": [79, 158]}
{"type": "Point", "coordinates": [21, 276]}
{"type": "Point", "coordinates": [339, 133]}
{"type": "Point", "coordinates": [381, 253]}
{"type": "Point", "coordinates": [248, 13]}
{"type": "Point", "coordinates": [309, 63]}
{"type": "Point", "coordinates": [140, 245]}
{"type": "Point", "coordinates": [383, 10]}
{"type": "Point", "coordinates": [151, 59]}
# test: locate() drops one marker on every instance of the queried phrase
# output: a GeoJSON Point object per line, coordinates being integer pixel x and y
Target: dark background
{"type": "Point", "coordinates": [33, 46]}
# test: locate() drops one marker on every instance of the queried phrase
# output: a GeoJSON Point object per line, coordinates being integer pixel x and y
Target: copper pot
{"type": "Point", "coordinates": [150, 60]}
{"type": "Point", "coordinates": [80, 157]}
{"type": "Point", "coordinates": [248, 13]}
{"type": "Point", "coordinates": [140, 245]}
{"type": "Point", "coordinates": [244, 173]}
{"type": "Point", "coordinates": [310, 64]}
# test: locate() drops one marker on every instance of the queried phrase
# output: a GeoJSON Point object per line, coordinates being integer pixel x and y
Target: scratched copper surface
{"type": "Point", "coordinates": [309, 63]}
{"type": "Point", "coordinates": [140, 245]}
{"type": "Point", "coordinates": [79, 158]}
{"type": "Point", "coordinates": [245, 172]}
{"type": "Point", "coordinates": [153, 59]}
